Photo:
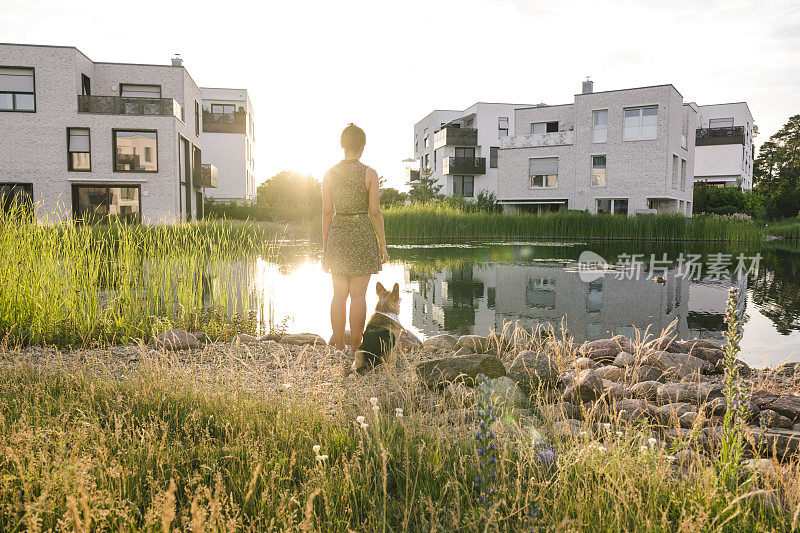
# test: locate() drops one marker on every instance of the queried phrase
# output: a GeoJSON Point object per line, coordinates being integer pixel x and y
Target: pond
{"type": "Point", "coordinates": [475, 288]}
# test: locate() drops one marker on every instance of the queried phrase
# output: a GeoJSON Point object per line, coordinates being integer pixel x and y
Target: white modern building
{"type": "Point", "coordinates": [460, 148]}
{"type": "Point", "coordinates": [86, 139]}
{"type": "Point", "coordinates": [724, 146]}
{"type": "Point", "coordinates": [229, 141]}
{"type": "Point", "coordinates": [623, 151]}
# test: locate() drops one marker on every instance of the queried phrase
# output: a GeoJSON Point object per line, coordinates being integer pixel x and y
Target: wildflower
{"type": "Point", "coordinates": [651, 441]}
{"type": "Point", "coordinates": [671, 458]}
{"type": "Point", "coordinates": [364, 425]}
{"type": "Point", "coordinates": [287, 386]}
{"type": "Point", "coordinates": [601, 449]}
{"type": "Point", "coordinates": [322, 458]}
{"type": "Point", "coordinates": [360, 419]}
{"type": "Point", "coordinates": [398, 413]}
{"type": "Point", "coordinates": [547, 456]}
{"type": "Point", "coordinates": [373, 401]}
{"type": "Point", "coordinates": [583, 433]}
{"type": "Point", "coordinates": [316, 448]}
{"type": "Point", "coordinates": [619, 433]}
{"type": "Point", "coordinates": [643, 449]}
{"type": "Point", "coordinates": [607, 426]}
{"type": "Point", "coordinates": [375, 409]}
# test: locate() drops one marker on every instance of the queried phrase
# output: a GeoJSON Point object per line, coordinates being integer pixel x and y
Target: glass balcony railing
{"type": "Point", "coordinates": [206, 175]}
{"type": "Point", "coordinates": [119, 105]}
{"type": "Point", "coordinates": [464, 165]}
{"type": "Point", "coordinates": [224, 122]}
{"type": "Point", "coordinates": [449, 136]}
{"type": "Point", "coordinates": [712, 136]}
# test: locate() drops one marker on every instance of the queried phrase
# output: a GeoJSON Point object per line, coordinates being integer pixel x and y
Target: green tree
{"type": "Point", "coordinates": [776, 171]}
{"type": "Point", "coordinates": [289, 196]}
{"type": "Point", "coordinates": [426, 189]}
{"type": "Point", "coordinates": [391, 196]}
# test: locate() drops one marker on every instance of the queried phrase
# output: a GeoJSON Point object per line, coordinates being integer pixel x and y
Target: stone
{"type": "Point", "coordinates": [717, 406]}
{"type": "Point", "coordinates": [588, 386]}
{"type": "Point", "coordinates": [647, 390]}
{"type": "Point", "coordinates": [408, 341]}
{"type": "Point", "coordinates": [605, 350]}
{"type": "Point", "coordinates": [615, 391]}
{"type": "Point", "coordinates": [762, 467]}
{"type": "Point", "coordinates": [201, 337]}
{"type": "Point", "coordinates": [559, 411]}
{"type": "Point", "coordinates": [696, 393]}
{"type": "Point", "coordinates": [762, 398]}
{"type": "Point", "coordinates": [532, 370]}
{"type": "Point", "coordinates": [702, 343]}
{"type": "Point", "coordinates": [796, 427]}
{"type": "Point", "coordinates": [787, 369]}
{"type": "Point", "coordinates": [770, 419]}
{"type": "Point", "coordinates": [244, 338]}
{"type": "Point", "coordinates": [663, 343]}
{"type": "Point", "coordinates": [464, 351]}
{"type": "Point", "coordinates": [439, 372]}
{"type": "Point", "coordinates": [567, 429]}
{"type": "Point", "coordinates": [633, 411]}
{"type": "Point", "coordinates": [442, 342]}
{"type": "Point", "coordinates": [330, 341]}
{"type": "Point", "coordinates": [637, 374]}
{"type": "Point", "coordinates": [476, 343]}
{"type": "Point", "coordinates": [624, 359]}
{"type": "Point", "coordinates": [769, 501]}
{"type": "Point", "coordinates": [778, 443]}
{"type": "Point", "coordinates": [687, 420]}
{"type": "Point", "coordinates": [176, 339]}
{"type": "Point", "coordinates": [582, 363]}
{"type": "Point", "coordinates": [670, 413]}
{"type": "Point", "coordinates": [744, 369]}
{"type": "Point", "coordinates": [506, 392]}
{"type": "Point", "coordinates": [611, 372]}
{"type": "Point", "coordinates": [300, 339]}
{"type": "Point", "coordinates": [677, 364]}
{"type": "Point", "coordinates": [711, 355]}
{"type": "Point", "coordinates": [787, 405]}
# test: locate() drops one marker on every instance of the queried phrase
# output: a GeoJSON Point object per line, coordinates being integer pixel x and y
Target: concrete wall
{"type": "Point", "coordinates": [732, 163]}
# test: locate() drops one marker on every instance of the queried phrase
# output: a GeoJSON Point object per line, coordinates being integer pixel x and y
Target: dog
{"type": "Point", "coordinates": [381, 333]}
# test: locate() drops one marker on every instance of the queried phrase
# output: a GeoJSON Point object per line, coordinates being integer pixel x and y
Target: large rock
{"type": "Point", "coordinates": [467, 368]}
{"type": "Point", "coordinates": [611, 372]}
{"type": "Point", "coordinates": [634, 411]}
{"type": "Point", "coordinates": [763, 398]}
{"type": "Point", "coordinates": [678, 364]}
{"type": "Point", "coordinates": [696, 393]}
{"type": "Point", "coordinates": [559, 411]}
{"type": "Point", "coordinates": [624, 359]}
{"type": "Point", "coordinates": [637, 374]}
{"type": "Point", "coordinates": [787, 405]}
{"type": "Point", "coordinates": [780, 443]}
{"type": "Point", "coordinates": [531, 369]}
{"type": "Point", "coordinates": [476, 343]}
{"type": "Point", "coordinates": [567, 429]}
{"type": "Point", "coordinates": [770, 419]}
{"type": "Point", "coordinates": [441, 342]}
{"type": "Point", "coordinates": [587, 386]}
{"type": "Point", "coordinates": [616, 391]}
{"type": "Point", "coordinates": [176, 339]}
{"type": "Point", "coordinates": [507, 393]}
{"type": "Point", "coordinates": [711, 355]}
{"type": "Point", "coordinates": [605, 350]}
{"type": "Point", "coordinates": [743, 368]}
{"type": "Point", "coordinates": [244, 338]}
{"type": "Point", "coordinates": [408, 341]}
{"type": "Point", "coordinates": [582, 363]}
{"type": "Point", "coordinates": [300, 339]}
{"type": "Point", "coordinates": [646, 390]}
{"type": "Point", "coordinates": [671, 413]}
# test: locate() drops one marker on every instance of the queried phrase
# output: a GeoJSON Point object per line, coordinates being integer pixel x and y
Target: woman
{"type": "Point", "coordinates": [353, 241]}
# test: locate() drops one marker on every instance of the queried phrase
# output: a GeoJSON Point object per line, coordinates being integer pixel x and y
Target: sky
{"type": "Point", "coordinates": [311, 67]}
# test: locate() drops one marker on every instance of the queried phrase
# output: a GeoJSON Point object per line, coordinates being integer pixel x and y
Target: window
{"type": "Point", "coordinates": [544, 172]}
{"type": "Point", "coordinates": [17, 89]}
{"type": "Point", "coordinates": [600, 126]}
{"type": "Point", "coordinates": [641, 123]}
{"type": "Point", "coordinates": [720, 123]}
{"type": "Point", "coordinates": [79, 156]}
{"type": "Point", "coordinates": [502, 127]}
{"type": "Point", "coordinates": [129, 90]}
{"type": "Point", "coordinates": [493, 153]}
{"type": "Point", "coordinates": [685, 133]}
{"type": "Point", "coordinates": [425, 139]}
{"type": "Point", "coordinates": [594, 301]}
{"type": "Point", "coordinates": [16, 194]}
{"type": "Point", "coordinates": [135, 151]}
{"type": "Point", "coordinates": [91, 203]}
{"type": "Point", "coordinates": [618, 206]}
{"type": "Point", "coordinates": [598, 171]}
{"type": "Point", "coordinates": [540, 293]}
{"type": "Point", "coordinates": [465, 152]}
{"type": "Point", "coordinates": [228, 109]}
{"type": "Point", "coordinates": [425, 162]}
{"type": "Point", "coordinates": [197, 118]}
{"type": "Point", "coordinates": [683, 174]}
{"type": "Point", "coordinates": [675, 170]}
{"type": "Point", "coordinates": [464, 186]}
{"type": "Point", "coordinates": [544, 127]}
{"type": "Point", "coordinates": [86, 85]}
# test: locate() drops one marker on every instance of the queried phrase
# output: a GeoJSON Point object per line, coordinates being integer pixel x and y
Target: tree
{"type": "Point", "coordinates": [776, 171]}
{"type": "Point", "coordinates": [426, 189]}
{"type": "Point", "coordinates": [289, 196]}
{"type": "Point", "coordinates": [391, 196]}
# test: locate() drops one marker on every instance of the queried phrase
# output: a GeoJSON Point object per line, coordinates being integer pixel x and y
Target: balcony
{"type": "Point", "coordinates": [224, 122]}
{"type": "Point", "coordinates": [118, 105]}
{"type": "Point", "coordinates": [714, 136]}
{"type": "Point", "coordinates": [534, 140]}
{"type": "Point", "coordinates": [464, 165]}
{"type": "Point", "coordinates": [412, 176]}
{"type": "Point", "coordinates": [206, 175]}
{"type": "Point", "coordinates": [449, 136]}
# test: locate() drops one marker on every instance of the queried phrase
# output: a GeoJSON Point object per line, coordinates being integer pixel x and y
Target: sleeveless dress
{"type": "Point", "coordinates": [352, 247]}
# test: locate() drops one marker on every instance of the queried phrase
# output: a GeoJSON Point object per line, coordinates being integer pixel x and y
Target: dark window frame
{"type": "Point", "coordinates": [196, 118]}
{"type": "Point", "coordinates": [15, 93]}
{"type": "Point", "coordinates": [494, 156]}
{"type": "Point", "coordinates": [69, 152]}
{"type": "Point", "coordinates": [114, 150]}
{"type": "Point", "coordinates": [76, 186]}
{"type": "Point", "coordinates": [462, 178]}
{"type": "Point", "coordinates": [86, 85]}
{"type": "Point", "coordinates": [28, 186]}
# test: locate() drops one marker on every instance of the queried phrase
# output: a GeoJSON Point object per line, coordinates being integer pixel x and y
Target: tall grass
{"type": "Point", "coordinates": [431, 221]}
{"type": "Point", "coordinates": [77, 285]}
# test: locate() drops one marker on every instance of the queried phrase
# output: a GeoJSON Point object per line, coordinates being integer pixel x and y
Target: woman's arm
{"type": "Point", "coordinates": [375, 214]}
{"type": "Point", "coordinates": [327, 208]}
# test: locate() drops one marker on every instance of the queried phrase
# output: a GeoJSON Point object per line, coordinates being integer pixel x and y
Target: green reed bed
{"type": "Point", "coordinates": [162, 451]}
{"type": "Point", "coordinates": [418, 221]}
{"type": "Point", "coordinates": [71, 284]}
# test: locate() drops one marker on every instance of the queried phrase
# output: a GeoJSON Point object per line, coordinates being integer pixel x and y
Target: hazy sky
{"type": "Point", "coordinates": [312, 67]}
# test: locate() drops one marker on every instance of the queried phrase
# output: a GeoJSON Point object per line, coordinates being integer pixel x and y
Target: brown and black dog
{"type": "Point", "coordinates": [382, 331]}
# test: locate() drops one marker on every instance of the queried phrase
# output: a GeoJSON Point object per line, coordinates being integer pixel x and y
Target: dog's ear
{"type": "Point", "coordinates": [379, 288]}
{"type": "Point", "coordinates": [396, 290]}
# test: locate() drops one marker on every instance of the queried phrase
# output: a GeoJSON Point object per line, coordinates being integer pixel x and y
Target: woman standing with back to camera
{"type": "Point", "coordinates": [353, 240]}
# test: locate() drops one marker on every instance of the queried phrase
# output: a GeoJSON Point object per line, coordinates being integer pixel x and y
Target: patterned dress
{"type": "Point", "coordinates": [352, 247]}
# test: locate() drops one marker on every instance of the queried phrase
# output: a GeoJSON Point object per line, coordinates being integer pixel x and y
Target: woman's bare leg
{"type": "Point", "coordinates": [339, 309]}
{"type": "Point", "coordinates": [358, 309]}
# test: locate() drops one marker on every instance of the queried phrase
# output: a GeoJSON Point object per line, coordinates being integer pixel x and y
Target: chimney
{"type": "Point", "coordinates": [177, 61]}
{"type": "Point", "coordinates": [588, 86]}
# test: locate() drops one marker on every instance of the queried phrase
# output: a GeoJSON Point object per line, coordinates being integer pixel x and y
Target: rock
{"type": "Point", "coordinates": [605, 350]}
{"type": "Point", "coordinates": [796, 427]}
{"type": "Point", "coordinates": [476, 343]}
{"type": "Point", "coordinates": [787, 405]}
{"type": "Point", "coordinates": [671, 413]}
{"type": "Point", "coordinates": [696, 393]}
{"type": "Point", "coordinates": [582, 363]}
{"type": "Point", "coordinates": [711, 355]}
{"type": "Point", "coordinates": [201, 337]}
{"type": "Point", "coordinates": [559, 411]}
{"type": "Point", "coordinates": [677, 364]}
{"type": "Point", "coordinates": [532, 370]}
{"type": "Point", "coordinates": [464, 351]}
{"type": "Point", "coordinates": [567, 429]}
{"type": "Point", "coordinates": [624, 359]}
{"type": "Point", "coordinates": [744, 369]}
{"type": "Point", "coordinates": [717, 406]}
{"type": "Point", "coordinates": [633, 411]}
{"type": "Point", "coordinates": [762, 467]}
{"type": "Point", "coordinates": [780, 443]}
{"type": "Point", "coordinates": [762, 398]}
{"type": "Point", "coordinates": [176, 339]}
{"type": "Point", "coordinates": [664, 343]}
{"type": "Point", "coordinates": [330, 341]}
{"type": "Point", "coordinates": [787, 369]}
{"type": "Point", "coordinates": [460, 393]}
{"type": "Point", "coordinates": [443, 342]}
{"type": "Point", "coordinates": [567, 378]}
{"type": "Point", "coordinates": [299, 339]}
{"type": "Point", "coordinates": [647, 390]}
{"type": "Point", "coordinates": [611, 372]}
{"type": "Point", "coordinates": [408, 341]}
{"type": "Point", "coordinates": [770, 419]}
{"type": "Point", "coordinates": [687, 420]}
{"type": "Point", "coordinates": [587, 386]}
{"type": "Point", "coordinates": [506, 392]}
{"type": "Point", "coordinates": [702, 343]}
{"type": "Point", "coordinates": [244, 338]}
{"type": "Point", "coordinates": [615, 390]}
{"type": "Point", "coordinates": [637, 374]}
{"type": "Point", "coordinates": [767, 500]}
{"type": "Point", "coordinates": [439, 372]}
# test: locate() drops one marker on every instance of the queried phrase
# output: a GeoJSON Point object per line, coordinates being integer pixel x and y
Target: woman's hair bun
{"type": "Point", "coordinates": [353, 138]}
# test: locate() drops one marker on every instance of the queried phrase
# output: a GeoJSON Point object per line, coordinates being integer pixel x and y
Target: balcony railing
{"type": "Point", "coordinates": [206, 175]}
{"type": "Point", "coordinates": [712, 136]}
{"type": "Point", "coordinates": [119, 105]}
{"type": "Point", "coordinates": [224, 122]}
{"type": "Point", "coordinates": [533, 140]}
{"type": "Point", "coordinates": [449, 136]}
{"type": "Point", "coordinates": [464, 165]}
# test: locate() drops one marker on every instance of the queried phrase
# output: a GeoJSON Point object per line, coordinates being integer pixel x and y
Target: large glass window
{"type": "Point", "coordinates": [464, 186]}
{"type": "Point", "coordinates": [129, 90]}
{"type": "Point", "coordinates": [641, 123]}
{"type": "Point", "coordinates": [16, 195]}
{"type": "Point", "coordinates": [465, 152]}
{"type": "Point", "coordinates": [544, 127]}
{"type": "Point", "coordinates": [502, 127]}
{"type": "Point", "coordinates": [228, 109]}
{"type": "Point", "coordinates": [493, 153]}
{"type": "Point", "coordinates": [135, 151]}
{"type": "Point", "coordinates": [93, 203]}
{"type": "Point", "coordinates": [618, 206]}
{"type": "Point", "coordinates": [16, 89]}
{"type": "Point", "coordinates": [544, 172]}
{"type": "Point", "coordinates": [598, 171]}
{"type": "Point", "coordinates": [600, 126]}
{"type": "Point", "coordinates": [79, 157]}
